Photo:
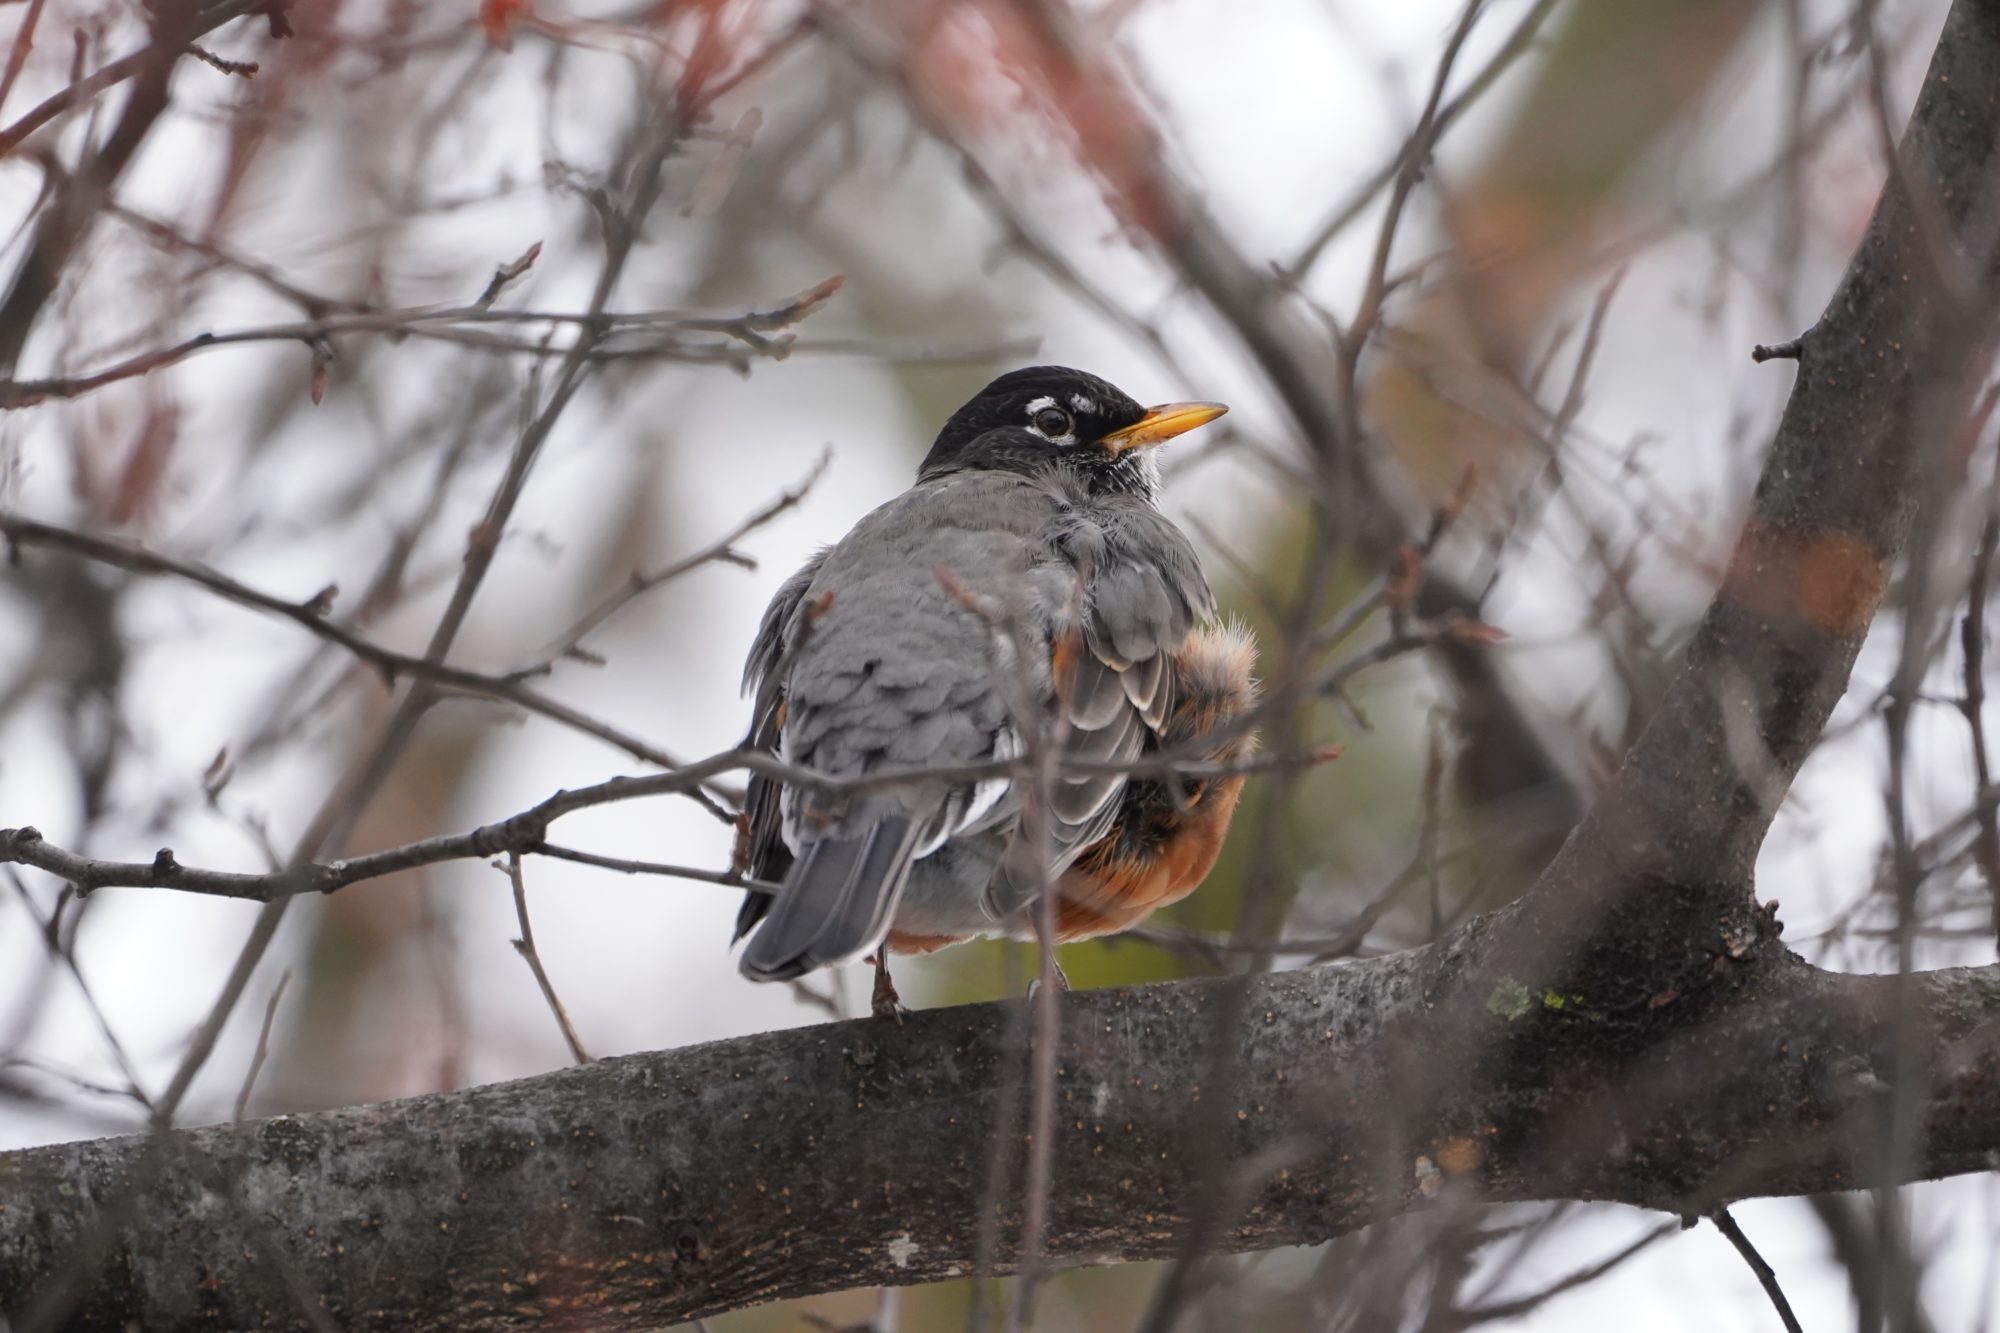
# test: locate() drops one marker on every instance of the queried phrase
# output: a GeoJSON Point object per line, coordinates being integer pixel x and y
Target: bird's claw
{"type": "Point", "coordinates": [884, 1002]}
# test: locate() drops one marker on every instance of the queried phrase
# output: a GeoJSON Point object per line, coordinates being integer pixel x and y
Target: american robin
{"type": "Point", "coordinates": [1026, 588]}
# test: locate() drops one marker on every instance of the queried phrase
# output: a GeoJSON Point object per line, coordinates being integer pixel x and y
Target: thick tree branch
{"type": "Point", "coordinates": [647, 1190]}
{"type": "Point", "coordinates": [1883, 385]}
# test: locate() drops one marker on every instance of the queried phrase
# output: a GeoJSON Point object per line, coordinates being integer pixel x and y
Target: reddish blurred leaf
{"type": "Point", "coordinates": [1464, 629]}
{"type": "Point", "coordinates": [137, 488]}
{"type": "Point", "coordinates": [712, 49]}
{"type": "Point", "coordinates": [954, 63]}
{"type": "Point", "coordinates": [497, 19]}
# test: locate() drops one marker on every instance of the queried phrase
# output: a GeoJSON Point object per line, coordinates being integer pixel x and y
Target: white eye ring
{"type": "Point", "coordinates": [1053, 422]}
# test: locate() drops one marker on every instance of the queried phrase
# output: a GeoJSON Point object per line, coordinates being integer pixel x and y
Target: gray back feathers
{"type": "Point", "coordinates": [880, 665]}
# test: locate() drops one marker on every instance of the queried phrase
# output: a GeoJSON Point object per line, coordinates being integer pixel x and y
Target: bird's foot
{"type": "Point", "coordinates": [884, 1002]}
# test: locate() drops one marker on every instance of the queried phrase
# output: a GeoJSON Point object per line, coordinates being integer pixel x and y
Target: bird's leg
{"type": "Point", "coordinates": [1055, 965]}
{"type": "Point", "coordinates": [1062, 981]}
{"type": "Point", "coordinates": [885, 1002]}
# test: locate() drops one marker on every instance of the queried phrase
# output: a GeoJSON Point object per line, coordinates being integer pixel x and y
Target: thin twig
{"type": "Point", "coordinates": [1333, 681]}
{"type": "Point", "coordinates": [1046, 1032]}
{"type": "Point", "coordinates": [1427, 833]}
{"type": "Point", "coordinates": [1972, 638]}
{"type": "Point", "coordinates": [218, 256]}
{"type": "Point", "coordinates": [1500, 1311]}
{"type": "Point", "coordinates": [1518, 44]}
{"type": "Point", "coordinates": [311, 615]}
{"type": "Point", "coordinates": [263, 1045]}
{"type": "Point", "coordinates": [721, 549]}
{"type": "Point", "coordinates": [67, 957]}
{"type": "Point", "coordinates": [240, 68]}
{"type": "Point", "coordinates": [524, 833]}
{"type": "Point", "coordinates": [17, 55]}
{"type": "Point", "coordinates": [650, 146]}
{"type": "Point", "coordinates": [745, 336]}
{"type": "Point", "coordinates": [1727, 1226]}
{"type": "Point", "coordinates": [1411, 165]}
{"type": "Point", "coordinates": [728, 878]}
{"type": "Point", "coordinates": [525, 946]}
{"type": "Point", "coordinates": [1553, 482]}
{"type": "Point", "coordinates": [107, 76]}
{"type": "Point", "coordinates": [74, 1080]}
{"type": "Point", "coordinates": [1398, 589]}
{"type": "Point", "coordinates": [63, 224]}
{"type": "Point", "coordinates": [202, 1044]}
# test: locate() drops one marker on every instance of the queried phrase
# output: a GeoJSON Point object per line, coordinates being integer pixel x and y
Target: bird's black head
{"type": "Point", "coordinates": [1051, 416]}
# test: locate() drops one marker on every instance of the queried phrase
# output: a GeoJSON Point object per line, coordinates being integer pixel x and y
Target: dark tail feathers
{"type": "Point", "coordinates": [836, 903]}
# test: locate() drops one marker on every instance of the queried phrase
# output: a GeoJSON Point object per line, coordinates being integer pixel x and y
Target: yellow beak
{"type": "Point", "coordinates": [1161, 424]}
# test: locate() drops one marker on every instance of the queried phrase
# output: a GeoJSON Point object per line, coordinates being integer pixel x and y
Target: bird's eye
{"type": "Point", "coordinates": [1052, 422]}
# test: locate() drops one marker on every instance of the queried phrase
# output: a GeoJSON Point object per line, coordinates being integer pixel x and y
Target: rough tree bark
{"type": "Point", "coordinates": [645, 1190]}
{"type": "Point", "coordinates": [1632, 1030]}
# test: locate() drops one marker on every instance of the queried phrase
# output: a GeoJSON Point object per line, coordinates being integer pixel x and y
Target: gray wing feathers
{"type": "Point", "coordinates": [1092, 693]}
{"type": "Point", "coordinates": [1146, 687]}
{"type": "Point", "coordinates": [897, 672]}
{"type": "Point", "coordinates": [1080, 797]}
{"type": "Point", "coordinates": [863, 661]}
{"type": "Point", "coordinates": [775, 630]}
{"type": "Point", "coordinates": [1143, 591]}
{"type": "Point", "coordinates": [837, 904]}
{"type": "Point", "coordinates": [761, 852]}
